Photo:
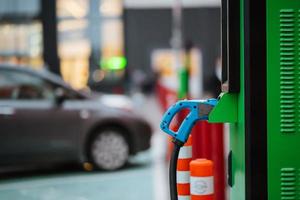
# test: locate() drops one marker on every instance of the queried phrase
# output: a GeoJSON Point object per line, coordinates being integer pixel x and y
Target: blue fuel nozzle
{"type": "Point", "coordinates": [199, 110]}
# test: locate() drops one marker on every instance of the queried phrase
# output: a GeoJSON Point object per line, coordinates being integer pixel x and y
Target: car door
{"type": "Point", "coordinates": [33, 127]}
{"type": "Point", "coordinates": [9, 125]}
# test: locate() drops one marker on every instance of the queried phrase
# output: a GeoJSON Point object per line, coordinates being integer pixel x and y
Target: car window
{"type": "Point", "coordinates": [6, 88]}
{"type": "Point", "coordinates": [23, 86]}
{"type": "Point", "coordinates": [71, 95]}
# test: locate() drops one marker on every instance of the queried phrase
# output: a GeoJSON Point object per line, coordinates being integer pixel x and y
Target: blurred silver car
{"type": "Point", "coordinates": [43, 120]}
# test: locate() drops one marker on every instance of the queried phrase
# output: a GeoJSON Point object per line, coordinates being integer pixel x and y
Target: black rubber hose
{"type": "Point", "coordinates": [173, 170]}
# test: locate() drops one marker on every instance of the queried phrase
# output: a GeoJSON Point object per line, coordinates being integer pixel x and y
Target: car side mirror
{"type": "Point", "coordinates": [60, 96]}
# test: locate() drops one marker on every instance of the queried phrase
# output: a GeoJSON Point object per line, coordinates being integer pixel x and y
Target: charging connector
{"type": "Point", "coordinates": [199, 110]}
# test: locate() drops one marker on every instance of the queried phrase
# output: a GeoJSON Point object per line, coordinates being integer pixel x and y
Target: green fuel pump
{"type": "Point", "coordinates": [261, 76]}
{"type": "Point", "coordinates": [261, 97]}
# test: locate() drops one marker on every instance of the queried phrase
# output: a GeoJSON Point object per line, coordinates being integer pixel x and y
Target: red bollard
{"type": "Point", "coordinates": [202, 142]}
{"type": "Point", "coordinates": [218, 157]}
{"type": "Point", "coordinates": [208, 142]}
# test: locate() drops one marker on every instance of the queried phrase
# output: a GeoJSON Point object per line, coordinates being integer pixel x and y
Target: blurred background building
{"type": "Point", "coordinates": [103, 43]}
{"type": "Point", "coordinates": [67, 36]}
{"type": "Point", "coordinates": [111, 46]}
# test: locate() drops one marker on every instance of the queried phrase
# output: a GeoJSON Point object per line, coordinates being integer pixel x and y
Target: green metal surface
{"type": "Point", "coordinates": [283, 98]}
{"type": "Point", "coordinates": [226, 109]}
{"type": "Point", "coordinates": [237, 130]}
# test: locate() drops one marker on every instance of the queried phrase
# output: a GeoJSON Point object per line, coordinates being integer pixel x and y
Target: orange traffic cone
{"type": "Point", "coordinates": [183, 170]}
{"type": "Point", "coordinates": [202, 180]}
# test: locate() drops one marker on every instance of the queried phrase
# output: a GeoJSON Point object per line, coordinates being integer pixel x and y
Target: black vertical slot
{"type": "Point", "coordinates": [234, 46]}
{"type": "Point", "coordinates": [229, 173]}
{"type": "Point", "coordinates": [256, 143]}
{"type": "Point", "coordinates": [231, 46]}
{"type": "Point", "coordinates": [224, 41]}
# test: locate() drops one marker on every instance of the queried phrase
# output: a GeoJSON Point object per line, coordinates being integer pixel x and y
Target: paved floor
{"type": "Point", "coordinates": [133, 183]}
{"type": "Point", "coordinates": [144, 178]}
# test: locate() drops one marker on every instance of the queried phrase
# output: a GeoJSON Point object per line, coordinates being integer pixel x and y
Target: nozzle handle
{"type": "Point", "coordinates": [199, 110]}
{"type": "Point", "coordinates": [188, 122]}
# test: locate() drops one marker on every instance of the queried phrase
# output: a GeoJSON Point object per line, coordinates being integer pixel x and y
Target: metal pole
{"type": "Point", "coordinates": [94, 34]}
{"type": "Point", "coordinates": [49, 23]}
{"type": "Point", "coordinates": [177, 34]}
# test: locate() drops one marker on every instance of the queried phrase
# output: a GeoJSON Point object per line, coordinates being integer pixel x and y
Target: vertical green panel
{"type": "Point", "coordinates": [237, 130]}
{"type": "Point", "coordinates": [283, 98]}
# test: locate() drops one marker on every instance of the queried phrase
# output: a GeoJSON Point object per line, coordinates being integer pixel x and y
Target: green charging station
{"type": "Point", "coordinates": [261, 85]}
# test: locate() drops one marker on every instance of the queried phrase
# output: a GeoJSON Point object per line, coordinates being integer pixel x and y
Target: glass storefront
{"type": "Point", "coordinates": [78, 38]}
{"type": "Point", "coordinates": [20, 33]}
{"type": "Point", "coordinates": [74, 46]}
{"type": "Point", "coordinates": [87, 35]}
{"type": "Point", "coordinates": [21, 44]}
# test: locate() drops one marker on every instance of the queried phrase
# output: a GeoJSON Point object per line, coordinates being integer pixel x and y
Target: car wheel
{"type": "Point", "coordinates": [109, 149]}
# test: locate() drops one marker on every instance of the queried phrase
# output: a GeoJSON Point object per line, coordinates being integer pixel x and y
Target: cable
{"type": "Point", "coordinates": [173, 170]}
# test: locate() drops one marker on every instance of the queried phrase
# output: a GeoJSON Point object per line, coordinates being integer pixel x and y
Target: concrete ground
{"type": "Point", "coordinates": [145, 177]}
